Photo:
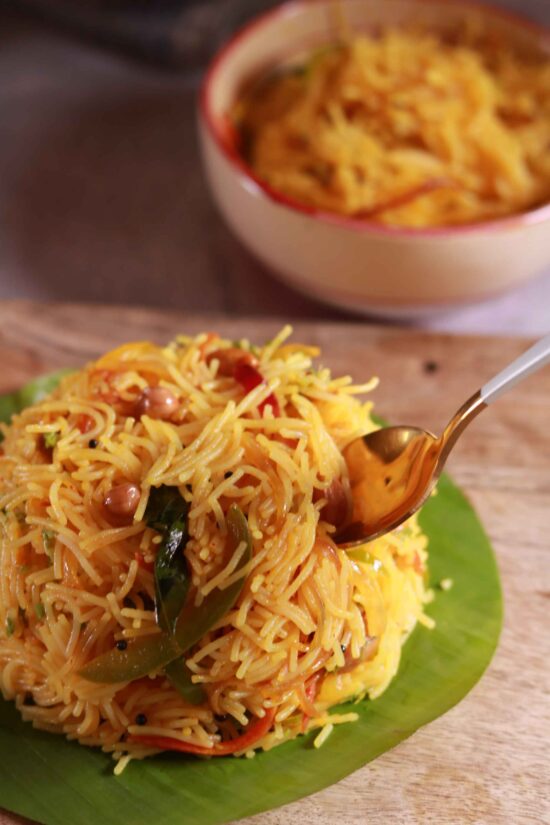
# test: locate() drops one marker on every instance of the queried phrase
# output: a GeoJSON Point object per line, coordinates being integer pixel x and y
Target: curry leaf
{"type": "Point", "coordinates": [171, 576]}
{"type": "Point", "coordinates": [165, 506]}
{"type": "Point", "coordinates": [167, 512]}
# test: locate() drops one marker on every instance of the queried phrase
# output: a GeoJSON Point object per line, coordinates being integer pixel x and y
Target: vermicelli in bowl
{"type": "Point", "coordinates": [406, 128]}
{"type": "Point", "coordinates": [170, 577]}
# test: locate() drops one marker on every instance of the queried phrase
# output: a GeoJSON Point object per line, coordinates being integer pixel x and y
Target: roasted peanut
{"type": "Point", "coordinates": [122, 501]}
{"type": "Point", "coordinates": [156, 402]}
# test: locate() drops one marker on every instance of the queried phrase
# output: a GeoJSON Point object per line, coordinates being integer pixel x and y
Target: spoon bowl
{"type": "Point", "coordinates": [393, 471]}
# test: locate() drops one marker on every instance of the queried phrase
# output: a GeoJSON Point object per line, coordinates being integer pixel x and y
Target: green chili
{"type": "Point", "coordinates": [140, 658]}
{"type": "Point", "coordinates": [194, 622]}
{"type": "Point", "coordinates": [48, 542]}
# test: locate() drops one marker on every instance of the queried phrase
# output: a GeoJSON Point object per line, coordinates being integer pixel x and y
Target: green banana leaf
{"type": "Point", "coordinates": [56, 782]}
{"type": "Point", "coordinates": [29, 394]}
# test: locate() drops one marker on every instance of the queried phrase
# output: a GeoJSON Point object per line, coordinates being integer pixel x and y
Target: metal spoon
{"type": "Point", "coordinates": [394, 470]}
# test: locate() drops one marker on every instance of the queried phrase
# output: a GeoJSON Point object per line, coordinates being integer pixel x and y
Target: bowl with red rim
{"type": "Point", "coordinates": [360, 264]}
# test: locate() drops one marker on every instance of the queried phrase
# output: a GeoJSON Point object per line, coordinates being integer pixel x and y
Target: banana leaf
{"type": "Point", "coordinates": [29, 394]}
{"type": "Point", "coordinates": [56, 782]}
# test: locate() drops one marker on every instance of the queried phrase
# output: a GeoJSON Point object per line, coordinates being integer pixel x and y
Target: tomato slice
{"type": "Point", "coordinates": [84, 423]}
{"type": "Point", "coordinates": [249, 378]}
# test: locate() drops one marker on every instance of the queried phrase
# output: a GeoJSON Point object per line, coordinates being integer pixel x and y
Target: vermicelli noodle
{"type": "Point", "coordinates": [246, 444]}
{"type": "Point", "coordinates": [405, 127]}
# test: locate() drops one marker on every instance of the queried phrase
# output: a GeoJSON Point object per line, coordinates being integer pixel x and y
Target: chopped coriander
{"type": "Point", "coordinates": [48, 540]}
{"type": "Point", "coordinates": [361, 555]}
{"type": "Point", "coordinates": [24, 568]}
{"type": "Point", "coordinates": [40, 610]}
{"type": "Point", "coordinates": [10, 626]}
{"type": "Point", "coordinates": [50, 440]}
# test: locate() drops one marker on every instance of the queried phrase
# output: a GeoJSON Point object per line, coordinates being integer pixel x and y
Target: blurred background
{"type": "Point", "coordinates": [102, 195]}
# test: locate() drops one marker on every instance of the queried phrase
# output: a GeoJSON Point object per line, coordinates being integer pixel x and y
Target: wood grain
{"type": "Point", "coordinates": [485, 762]}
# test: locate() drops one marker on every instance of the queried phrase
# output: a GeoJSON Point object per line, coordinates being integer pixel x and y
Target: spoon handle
{"type": "Point", "coordinates": [532, 360]}
{"type": "Point", "coordinates": [535, 358]}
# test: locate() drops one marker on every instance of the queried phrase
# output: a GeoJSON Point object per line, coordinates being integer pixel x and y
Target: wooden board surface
{"type": "Point", "coordinates": [486, 762]}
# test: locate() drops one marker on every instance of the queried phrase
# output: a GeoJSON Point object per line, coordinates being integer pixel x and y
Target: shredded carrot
{"type": "Point", "coordinates": [254, 732]}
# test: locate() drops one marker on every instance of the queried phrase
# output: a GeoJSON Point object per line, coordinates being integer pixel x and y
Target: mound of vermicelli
{"type": "Point", "coordinates": [219, 424]}
{"type": "Point", "coordinates": [407, 128]}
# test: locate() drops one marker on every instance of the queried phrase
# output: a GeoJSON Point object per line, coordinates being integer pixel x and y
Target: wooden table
{"type": "Point", "coordinates": [485, 762]}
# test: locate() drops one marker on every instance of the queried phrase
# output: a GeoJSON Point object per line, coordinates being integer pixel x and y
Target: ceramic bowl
{"type": "Point", "coordinates": [360, 265]}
